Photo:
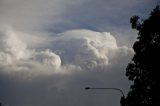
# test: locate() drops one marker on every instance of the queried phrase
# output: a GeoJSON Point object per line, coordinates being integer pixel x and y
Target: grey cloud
{"type": "Point", "coordinates": [60, 90]}
{"type": "Point", "coordinates": [31, 82]}
{"type": "Point", "coordinates": [104, 15]}
{"type": "Point", "coordinates": [46, 60]}
{"type": "Point", "coordinates": [39, 16]}
{"type": "Point", "coordinates": [31, 15]}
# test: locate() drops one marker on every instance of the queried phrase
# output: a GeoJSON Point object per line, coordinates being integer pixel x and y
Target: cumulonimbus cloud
{"type": "Point", "coordinates": [82, 48]}
{"type": "Point", "coordinates": [47, 59]}
{"type": "Point", "coordinates": [15, 54]}
{"type": "Point", "coordinates": [73, 59]}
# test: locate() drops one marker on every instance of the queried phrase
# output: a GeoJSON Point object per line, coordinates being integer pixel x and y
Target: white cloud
{"type": "Point", "coordinates": [87, 49]}
{"type": "Point", "coordinates": [15, 54]}
{"type": "Point", "coordinates": [57, 75]}
{"type": "Point", "coordinates": [39, 67]}
{"type": "Point", "coordinates": [48, 56]}
{"type": "Point", "coordinates": [83, 48]}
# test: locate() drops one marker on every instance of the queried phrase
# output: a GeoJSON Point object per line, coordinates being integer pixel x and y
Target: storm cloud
{"type": "Point", "coordinates": [76, 59]}
{"type": "Point", "coordinates": [51, 50]}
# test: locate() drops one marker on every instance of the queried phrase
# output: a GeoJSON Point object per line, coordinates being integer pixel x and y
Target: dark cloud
{"type": "Point", "coordinates": [30, 77]}
{"type": "Point", "coordinates": [51, 50]}
{"type": "Point", "coordinates": [103, 15]}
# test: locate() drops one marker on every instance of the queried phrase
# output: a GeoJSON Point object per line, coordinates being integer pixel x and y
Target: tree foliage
{"type": "Point", "coordinates": [144, 69]}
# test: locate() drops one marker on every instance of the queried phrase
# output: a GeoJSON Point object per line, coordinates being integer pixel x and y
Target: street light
{"type": "Point", "coordinates": [117, 89]}
{"type": "Point", "coordinates": [122, 101]}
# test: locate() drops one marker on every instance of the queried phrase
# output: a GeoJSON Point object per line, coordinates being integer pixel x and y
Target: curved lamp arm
{"type": "Point", "coordinates": [117, 89]}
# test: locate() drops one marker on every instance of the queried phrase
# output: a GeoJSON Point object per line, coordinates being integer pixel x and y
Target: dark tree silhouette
{"type": "Point", "coordinates": [144, 69]}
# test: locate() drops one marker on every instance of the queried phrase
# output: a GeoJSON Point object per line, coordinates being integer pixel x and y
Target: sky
{"type": "Point", "coordinates": [50, 50]}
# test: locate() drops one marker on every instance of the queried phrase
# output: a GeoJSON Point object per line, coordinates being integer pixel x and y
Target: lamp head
{"type": "Point", "coordinates": [86, 88]}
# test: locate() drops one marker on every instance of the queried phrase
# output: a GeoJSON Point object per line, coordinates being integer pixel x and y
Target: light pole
{"type": "Point", "coordinates": [122, 101]}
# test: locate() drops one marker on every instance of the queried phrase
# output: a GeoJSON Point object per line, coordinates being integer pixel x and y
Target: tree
{"type": "Point", "coordinates": [144, 69]}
